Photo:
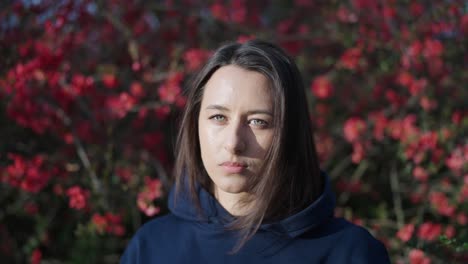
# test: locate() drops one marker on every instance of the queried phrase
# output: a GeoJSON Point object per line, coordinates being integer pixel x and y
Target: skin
{"type": "Point", "coordinates": [234, 125]}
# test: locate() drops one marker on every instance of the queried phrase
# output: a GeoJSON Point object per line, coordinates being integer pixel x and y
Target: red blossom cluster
{"type": "Point", "coordinates": [36, 256]}
{"type": "Point", "coordinates": [78, 197]}
{"type": "Point", "coordinates": [354, 130]}
{"type": "Point", "coordinates": [108, 223]}
{"type": "Point", "coordinates": [235, 12]}
{"type": "Point", "coordinates": [151, 191]}
{"type": "Point", "coordinates": [406, 232]}
{"type": "Point", "coordinates": [458, 159]}
{"type": "Point", "coordinates": [170, 90]}
{"type": "Point", "coordinates": [195, 58]}
{"type": "Point", "coordinates": [321, 87]}
{"type": "Point", "coordinates": [30, 175]}
{"type": "Point", "coordinates": [417, 256]}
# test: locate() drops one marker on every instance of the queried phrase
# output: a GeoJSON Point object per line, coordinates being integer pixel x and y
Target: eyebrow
{"type": "Point", "coordinates": [225, 109]}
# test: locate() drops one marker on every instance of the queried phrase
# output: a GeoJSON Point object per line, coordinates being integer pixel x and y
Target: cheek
{"type": "Point", "coordinates": [207, 141]}
{"type": "Point", "coordinates": [264, 143]}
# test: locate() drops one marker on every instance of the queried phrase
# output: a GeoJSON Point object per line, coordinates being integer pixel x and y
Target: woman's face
{"type": "Point", "coordinates": [235, 126]}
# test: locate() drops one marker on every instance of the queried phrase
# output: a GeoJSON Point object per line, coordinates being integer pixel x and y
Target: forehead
{"type": "Point", "coordinates": [233, 85]}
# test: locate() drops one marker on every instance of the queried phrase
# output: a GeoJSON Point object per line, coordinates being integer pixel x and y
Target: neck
{"type": "Point", "coordinates": [231, 202]}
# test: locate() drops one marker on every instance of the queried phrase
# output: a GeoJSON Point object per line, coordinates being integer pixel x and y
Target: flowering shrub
{"type": "Point", "coordinates": [90, 92]}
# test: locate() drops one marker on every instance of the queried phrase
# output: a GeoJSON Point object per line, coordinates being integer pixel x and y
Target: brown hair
{"type": "Point", "coordinates": [290, 177]}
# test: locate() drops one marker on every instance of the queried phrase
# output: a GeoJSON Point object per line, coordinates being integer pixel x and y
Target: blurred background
{"type": "Point", "coordinates": [91, 92]}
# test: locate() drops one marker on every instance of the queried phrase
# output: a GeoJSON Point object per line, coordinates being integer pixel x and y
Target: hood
{"type": "Point", "coordinates": [214, 214]}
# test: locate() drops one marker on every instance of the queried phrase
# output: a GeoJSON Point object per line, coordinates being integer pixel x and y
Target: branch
{"type": "Point", "coordinates": [95, 183]}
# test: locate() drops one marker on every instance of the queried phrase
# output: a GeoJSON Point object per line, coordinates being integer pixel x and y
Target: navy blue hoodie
{"type": "Point", "coordinates": [312, 235]}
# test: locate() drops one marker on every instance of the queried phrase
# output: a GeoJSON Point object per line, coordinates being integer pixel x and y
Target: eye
{"type": "Point", "coordinates": [218, 118]}
{"type": "Point", "coordinates": [259, 123]}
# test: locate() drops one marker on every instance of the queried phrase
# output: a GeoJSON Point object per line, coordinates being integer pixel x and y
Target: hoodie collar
{"type": "Point", "coordinates": [214, 214]}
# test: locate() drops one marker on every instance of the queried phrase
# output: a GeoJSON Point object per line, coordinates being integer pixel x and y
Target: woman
{"type": "Point", "coordinates": [248, 188]}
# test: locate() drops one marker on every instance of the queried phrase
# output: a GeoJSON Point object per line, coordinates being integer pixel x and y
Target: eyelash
{"type": "Point", "coordinates": [263, 122]}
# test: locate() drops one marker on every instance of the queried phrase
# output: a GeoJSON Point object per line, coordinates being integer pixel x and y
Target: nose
{"type": "Point", "coordinates": [235, 141]}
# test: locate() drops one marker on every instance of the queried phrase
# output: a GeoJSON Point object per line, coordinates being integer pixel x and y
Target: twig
{"type": "Point", "coordinates": [339, 168]}
{"type": "Point", "coordinates": [357, 175]}
{"type": "Point", "coordinates": [397, 203]}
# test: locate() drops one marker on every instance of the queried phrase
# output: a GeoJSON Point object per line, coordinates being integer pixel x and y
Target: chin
{"type": "Point", "coordinates": [231, 185]}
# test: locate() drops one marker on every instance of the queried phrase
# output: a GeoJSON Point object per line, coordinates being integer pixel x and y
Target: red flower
{"type": "Point", "coordinates": [136, 89]}
{"type": "Point", "coordinates": [415, 49]}
{"type": "Point", "coordinates": [462, 219]}
{"type": "Point", "coordinates": [416, 87]}
{"type": "Point", "coordinates": [81, 85]}
{"type": "Point", "coordinates": [219, 12]}
{"type": "Point", "coordinates": [432, 48]}
{"type": "Point", "coordinates": [411, 55]}
{"type": "Point", "coordinates": [162, 112]}
{"type": "Point", "coordinates": [78, 197]}
{"type": "Point", "coordinates": [449, 231]}
{"type": "Point", "coordinates": [406, 232]}
{"type": "Point", "coordinates": [463, 195]}
{"type": "Point", "coordinates": [195, 58]}
{"type": "Point", "coordinates": [351, 58]}
{"type": "Point", "coordinates": [120, 105]}
{"type": "Point", "coordinates": [420, 174]}
{"type": "Point", "coordinates": [364, 4]}
{"type": "Point", "coordinates": [429, 231]}
{"type": "Point", "coordinates": [238, 11]}
{"type": "Point", "coordinates": [416, 9]}
{"type": "Point", "coordinates": [405, 78]}
{"type": "Point", "coordinates": [427, 104]}
{"type": "Point", "coordinates": [417, 256]}
{"type": "Point", "coordinates": [394, 98]}
{"type": "Point", "coordinates": [125, 174]}
{"type": "Point", "coordinates": [29, 175]}
{"type": "Point", "coordinates": [170, 90]}
{"type": "Point", "coordinates": [151, 192]}
{"type": "Point", "coordinates": [404, 130]}
{"type": "Point", "coordinates": [354, 128]}
{"type": "Point", "coordinates": [358, 152]}
{"type": "Point", "coordinates": [36, 256]}
{"type": "Point", "coordinates": [108, 223]}
{"type": "Point", "coordinates": [440, 202]}
{"type": "Point", "coordinates": [321, 87]}
{"type": "Point", "coordinates": [456, 160]}
{"type": "Point", "coordinates": [244, 38]}
{"type": "Point", "coordinates": [464, 24]}
{"type": "Point", "coordinates": [110, 81]}
{"type": "Point", "coordinates": [345, 15]}
{"type": "Point", "coordinates": [100, 222]}
{"type": "Point", "coordinates": [114, 224]}
{"type": "Point", "coordinates": [380, 123]}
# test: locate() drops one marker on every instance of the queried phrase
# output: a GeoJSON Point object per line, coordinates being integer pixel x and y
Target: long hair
{"type": "Point", "coordinates": [290, 178]}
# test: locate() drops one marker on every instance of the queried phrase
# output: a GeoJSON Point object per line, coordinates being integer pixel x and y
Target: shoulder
{"type": "Point", "coordinates": [359, 245]}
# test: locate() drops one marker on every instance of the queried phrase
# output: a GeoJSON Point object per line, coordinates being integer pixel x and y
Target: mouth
{"type": "Point", "coordinates": [233, 167]}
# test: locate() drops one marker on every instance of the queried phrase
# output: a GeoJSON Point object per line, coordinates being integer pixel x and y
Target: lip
{"type": "Point", "coordinates": [233, 167]}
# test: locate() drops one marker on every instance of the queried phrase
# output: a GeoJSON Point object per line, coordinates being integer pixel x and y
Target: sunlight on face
{"type": "Point", "coordinates": [235, 126]}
